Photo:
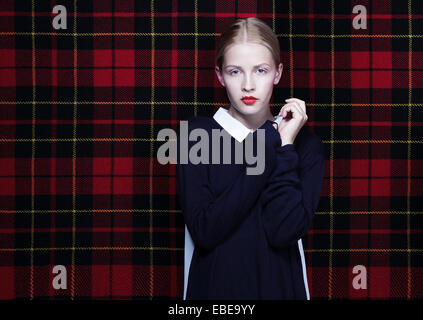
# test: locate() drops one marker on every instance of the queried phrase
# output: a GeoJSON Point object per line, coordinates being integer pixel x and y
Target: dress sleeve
{"type": "Point", "coordinates": [293, 193]}
{"type": "Point", "coordinates": [211, 219]}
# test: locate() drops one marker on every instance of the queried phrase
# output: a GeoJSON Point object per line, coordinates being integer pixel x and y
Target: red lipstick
{"type": "Point", "coordinates": [249, 99]}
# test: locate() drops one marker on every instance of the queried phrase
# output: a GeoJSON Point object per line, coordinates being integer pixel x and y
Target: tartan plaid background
{"type": "Point", "coordinates": [80, 184]}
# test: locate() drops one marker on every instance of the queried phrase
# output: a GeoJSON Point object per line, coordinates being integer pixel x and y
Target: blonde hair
{"type": "Point", "coordinates": [248, 30]}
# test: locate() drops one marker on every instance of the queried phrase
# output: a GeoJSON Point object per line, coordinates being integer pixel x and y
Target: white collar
{"type": "Point", "coordinates": [233, 126]}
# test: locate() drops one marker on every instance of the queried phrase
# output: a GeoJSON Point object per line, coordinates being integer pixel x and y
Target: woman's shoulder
{"type": "Point", "coordinates": [308, 142]}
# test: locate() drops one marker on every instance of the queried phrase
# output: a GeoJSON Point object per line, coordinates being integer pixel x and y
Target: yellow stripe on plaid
{"type": "Point", "coordinates": [191, 34]}
{"type": "Point", "coordinates": [332, 120]}
{"type": "Point", "coordinates": [181, 249]}
{"type": "Point", "coordinates": [410, 86]}
{"type": "Point", "coordinates": [90, 248]}
{"type": "Point", "coordinates": [291, 54]}
{"type": "Point", "coordinates": [152, 151]}
{"type": "Point", "coordinates": [75, 112]}
{"type": "Point", "coordinates": [152, 139]}
{"type": "Point", "coordinates": [215, 104]}
{"type": "Point", "coordinates": [33, 151]}
{"type": "Point", "coordinates": [179, 211]}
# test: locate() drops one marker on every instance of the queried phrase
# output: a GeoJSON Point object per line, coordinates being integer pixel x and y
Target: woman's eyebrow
{"type": "Point", "coordinates": [232, 65]}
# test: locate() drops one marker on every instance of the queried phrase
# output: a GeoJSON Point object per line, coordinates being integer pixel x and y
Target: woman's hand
{"type": "Point", "coordinates": [294, 117]}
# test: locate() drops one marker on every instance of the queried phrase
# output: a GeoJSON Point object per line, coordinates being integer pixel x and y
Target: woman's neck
{"type": "Point", "coordinates": [253, 122]}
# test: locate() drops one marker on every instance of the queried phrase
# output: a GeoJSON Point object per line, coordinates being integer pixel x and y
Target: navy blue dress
{"type": "Point", "coordinates": [245, 228]}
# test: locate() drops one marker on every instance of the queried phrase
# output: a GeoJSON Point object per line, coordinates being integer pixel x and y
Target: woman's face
{"type": "Point", "coordinates": [249, 70]}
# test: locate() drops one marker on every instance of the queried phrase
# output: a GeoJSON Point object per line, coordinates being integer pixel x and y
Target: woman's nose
{"type": "Point", "coordinates": [248, 83]}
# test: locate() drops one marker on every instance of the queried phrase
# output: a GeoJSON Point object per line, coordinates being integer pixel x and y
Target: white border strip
{"type": "Point", "coordinates": [300, 248]}
{"type": "Point", "coordinates": [189, 249]}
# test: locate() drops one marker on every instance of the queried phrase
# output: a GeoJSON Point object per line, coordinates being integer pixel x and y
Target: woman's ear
{"type": "Point", "coordinates": [278, 74]}
{"type": "Point", "coordinates": [219, 76]}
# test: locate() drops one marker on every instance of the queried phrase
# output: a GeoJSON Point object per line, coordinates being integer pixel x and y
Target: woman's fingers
{"type": "Point", "coordinates": [300, 104]}
{"type": "Point", "coordinates": [294, 108]}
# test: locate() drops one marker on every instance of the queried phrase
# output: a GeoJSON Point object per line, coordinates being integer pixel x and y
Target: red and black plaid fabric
{"type": "Point", "coordinates": [80, 184]}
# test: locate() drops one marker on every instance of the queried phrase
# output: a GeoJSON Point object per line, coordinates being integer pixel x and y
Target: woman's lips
{"type": "Point", "coordinates": [249, 100]}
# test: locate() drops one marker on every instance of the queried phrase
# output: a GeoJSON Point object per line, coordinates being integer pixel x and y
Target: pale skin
{"type": "Point", "coordinates": [249, 70]}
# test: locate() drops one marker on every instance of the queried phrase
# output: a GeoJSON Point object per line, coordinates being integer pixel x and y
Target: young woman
{"type": "Point", "coordinates": [246, 229]}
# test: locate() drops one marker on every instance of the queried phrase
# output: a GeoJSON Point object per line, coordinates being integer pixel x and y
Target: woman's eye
{"type": "Point", "coordinates": [237, 71]}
